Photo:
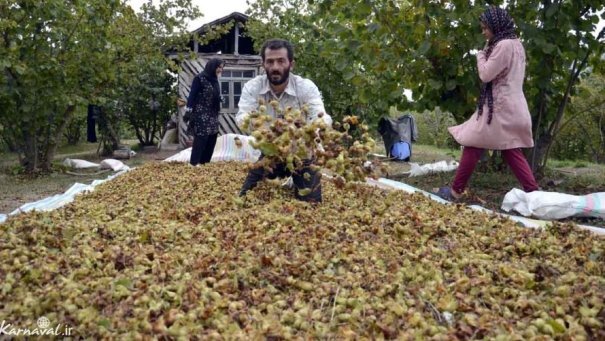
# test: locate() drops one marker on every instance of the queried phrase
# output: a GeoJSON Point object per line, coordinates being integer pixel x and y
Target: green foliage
{"type": "Point", "coordinates": [582, 135]}
{"type": "Point", "coordinates": [58, 55]}
{"type": "Point", "coordinates": [363, 56]}
{"type": "Point", "coordinates": [75, 126]}
{"type": "Point", "coordinates": [142, 90]}
{"type": "Point", "coordinates": [52, 60]}
{"type": "Point", "coordinates": [149, 103]}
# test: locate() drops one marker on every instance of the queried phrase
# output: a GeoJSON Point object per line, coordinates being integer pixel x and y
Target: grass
{"type": "Point", "coordinates": [553, 163]}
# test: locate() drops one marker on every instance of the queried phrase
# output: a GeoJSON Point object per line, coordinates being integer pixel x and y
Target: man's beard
{"type": "Point", "coordinates": [282, 79]}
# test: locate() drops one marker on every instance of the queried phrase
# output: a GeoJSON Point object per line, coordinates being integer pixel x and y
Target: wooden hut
{"type": "Point", "coordinates": [242, 63]}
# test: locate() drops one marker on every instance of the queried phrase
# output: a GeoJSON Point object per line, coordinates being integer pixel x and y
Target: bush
{"type": "Point", "coordinates": [75, 127]}
{"type": "Point", "coordinates": [3, 146]}
{"type": "Point", "coordinates": [580, 140]}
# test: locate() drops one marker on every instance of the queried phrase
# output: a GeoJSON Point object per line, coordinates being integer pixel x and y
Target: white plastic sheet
{"type": "Point", "coordinates": [58, 200]}
{"type": "Point", "coordinates": [182, 156]}
{"type": "Point", "coordinates": [553, 205]}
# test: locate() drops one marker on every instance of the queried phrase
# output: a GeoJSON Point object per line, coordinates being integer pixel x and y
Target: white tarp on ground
{"type": "Point", "coordinates": [226, 149]}
{"type": "Point", "coordinates": [553, 205]}
{"type": "Point", "coordinates": [182, 156]}
{"type": "Point", "coordinates": [58, 200]}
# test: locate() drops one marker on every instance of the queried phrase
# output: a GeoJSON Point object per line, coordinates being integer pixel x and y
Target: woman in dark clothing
{"type": "Point", "coordinates": [203, 106]}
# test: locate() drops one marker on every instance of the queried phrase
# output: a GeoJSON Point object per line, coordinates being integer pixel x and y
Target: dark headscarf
{"type": "Point", "coordinates": [210, 74]}
{"type": "Point", "coordinates": [503, 27]}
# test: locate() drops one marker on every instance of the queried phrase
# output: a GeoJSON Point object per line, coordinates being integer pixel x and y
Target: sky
{"type": "Point", "coordinates": [212, 9]}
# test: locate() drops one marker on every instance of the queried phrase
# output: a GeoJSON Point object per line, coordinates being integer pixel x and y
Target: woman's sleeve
{"type": "Point", "coordinates": [195, 89]}
{"type": "Point", "coordinates": [498, 61]}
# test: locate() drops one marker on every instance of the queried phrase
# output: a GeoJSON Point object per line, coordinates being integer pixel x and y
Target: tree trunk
{"type": "Point", "coordinates": [29, 147]}
{"type": "Point", "coordinates": [110, 140]}
{"type": "Point", "coordinates": [540, 153]}
{"type": "Point", "coordinates": [50, 149]}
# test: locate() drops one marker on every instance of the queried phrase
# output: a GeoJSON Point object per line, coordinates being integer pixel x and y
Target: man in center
{"type": "Point", "coordinates": [289, 90]}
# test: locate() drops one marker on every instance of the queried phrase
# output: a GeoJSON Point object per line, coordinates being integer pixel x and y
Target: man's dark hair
{"type": "Point", "coordinates": [276, 44]}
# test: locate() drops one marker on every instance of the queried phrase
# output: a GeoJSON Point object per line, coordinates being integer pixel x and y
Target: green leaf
{"type": "Point", "coordinates": [551, 10]}
{"type": "Point", "coordinates": [20, 69]}
{"type": "Point", "coordinates": [268, 149]}
{"type": "Point", "coordinates": [548, 48]}
{"type": "Point", "coordinates": [424, 47]}
{"type": "Point", "coordinates": [556, 326]}
{"type": "Point", "coordinates": [124, 282]}
{"type": "Point", "coordinates": [104, 323]}
{"type": "Point", "coordinates": [435, 84]}
{"type": "Point", "coordinates": [373, 27]}
{"type": "Point", "coordinates": [348, 75]}
{"type": "Point", "coordinates": [450, 84]}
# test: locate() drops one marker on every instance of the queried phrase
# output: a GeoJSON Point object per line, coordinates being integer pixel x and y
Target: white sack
{"type": "Point", "coordinates": [437, 167]}
{"type": "Point", "coordinates": [553, 205]}
{"type": "Point", "coordinates": [226, 149]}
{"type": "Point", "coordinates": [76, 163]}
{"type": "Point", "coordinates": [115, 165]}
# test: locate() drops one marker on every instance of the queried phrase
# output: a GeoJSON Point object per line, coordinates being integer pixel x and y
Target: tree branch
{"type": "Point", "coordinates": [70, 35]}
{"type": "Point", "coordinates": [575, 73]}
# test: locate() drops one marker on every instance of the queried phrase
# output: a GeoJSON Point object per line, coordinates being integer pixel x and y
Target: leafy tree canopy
{"type": "Point", "coordinates": [57, 55]}
{"type": "Point", "coordinates": [363, 56]}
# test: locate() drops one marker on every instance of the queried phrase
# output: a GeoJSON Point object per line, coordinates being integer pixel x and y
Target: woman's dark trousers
{"type": "Point", "coordinates": [202, 149]}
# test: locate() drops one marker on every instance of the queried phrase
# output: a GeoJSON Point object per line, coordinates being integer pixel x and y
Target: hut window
{"type": "Point", "coordinates": [232, 83]}
{"type": "Point", "coordinates": [225, 95]}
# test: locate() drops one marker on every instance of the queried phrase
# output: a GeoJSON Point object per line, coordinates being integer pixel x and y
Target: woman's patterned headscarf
{"type": "Point", "coordinates": [210, 74]}
{"type": "Point", "coordinates": [502, 26]}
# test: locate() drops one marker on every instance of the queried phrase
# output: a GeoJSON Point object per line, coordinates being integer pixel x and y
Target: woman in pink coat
{"type": "Point", "coordinates": [502, 120]}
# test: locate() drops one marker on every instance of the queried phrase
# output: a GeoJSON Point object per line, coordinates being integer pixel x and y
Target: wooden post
{"type": "Point", "coordinates": [236, 52]}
